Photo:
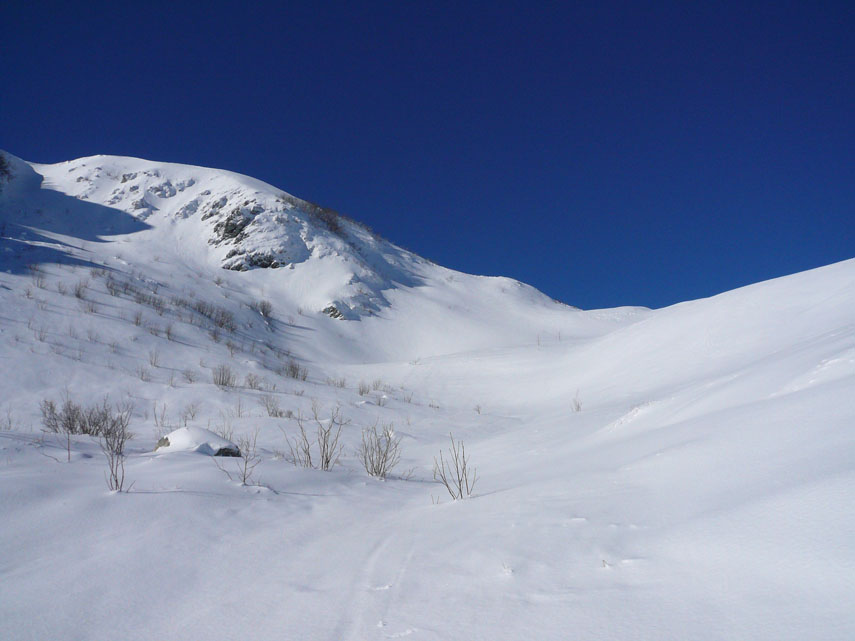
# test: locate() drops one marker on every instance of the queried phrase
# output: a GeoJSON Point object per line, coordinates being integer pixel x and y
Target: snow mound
{"type": "Point", "coordinates": [197, 439]}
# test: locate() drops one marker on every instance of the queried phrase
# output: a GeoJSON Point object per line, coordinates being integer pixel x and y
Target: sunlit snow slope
{"type": "Point", "coordinates": [683, 473]}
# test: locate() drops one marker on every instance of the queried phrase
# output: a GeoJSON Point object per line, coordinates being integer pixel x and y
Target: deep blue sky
{"type": "Point", "coordinates": [607, 153]}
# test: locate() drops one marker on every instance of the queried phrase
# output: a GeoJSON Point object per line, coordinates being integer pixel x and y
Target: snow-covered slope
{"type": "Point", "coordinates": [683, 473]}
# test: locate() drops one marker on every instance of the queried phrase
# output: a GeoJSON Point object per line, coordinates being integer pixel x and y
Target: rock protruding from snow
{"type": "Point", "coordinates": [197, 439]}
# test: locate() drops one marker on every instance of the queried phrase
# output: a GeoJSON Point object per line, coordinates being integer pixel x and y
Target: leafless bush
{"type": "Point", "coordinates": [577, 403]}
{"type": "Point", "coordinates": [337, 382]}
{"type": "Point", "coordinates": [380, 450]}
{"type": "Point", "coordinates": [189, 412]}
{"type": "Point", "coordinates": [294, 370]}
{"type": "Point", "coordinates": [113, 441]}
{"type": "Point", "coordinates": [143, 373]}
{"type": "Point", "coordinates": [189, 375]}
{"type": "Point", "coordinates": [253, 381]}
{"type": "Point", "coordinates": [161, 420]}
{"type": "Point", "coordinates": [38, 275]}
{"type": "Point", "coordinates": [220, 317]}
{"type": "Point", "coordinates": [377, 384]}
{"type": "Point", "coordinates": [80, 288]}
{"type": "Point", "coordinates": [271, 404]}
{"type": "Point", "coordinates": [61, 288]}
{"type": "Point", "coordinates": [74, 418]}
{"type": "Point", "coordinates": [138, 318]}
{"type": "Point", "coordinates": [326, 440]}
{"type": "Point", "coordinates": [224, 376]}
{"type": "Point", "coordinates": [455, 473]}
{"type": "Point", "coordinates": [263, 307]}
{"type": "Point", "coordinates": [363, 388]}
{"type": "Point", "coordinates": [154, 358]}
{"type": "Point", "coordinates": [112, 285]}
{"type": "Point", "coordinates": [170, 335]}
{"type": "Point", "coordinates": [243, 465]}
{"type": "Point", "coordinates": [225, 429]}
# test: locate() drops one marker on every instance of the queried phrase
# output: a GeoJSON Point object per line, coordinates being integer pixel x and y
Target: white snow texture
{"type": "Point", "coordinates": [683, 473]}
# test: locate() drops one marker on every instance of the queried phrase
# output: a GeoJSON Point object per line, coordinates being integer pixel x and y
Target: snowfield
{"type": "Point", "coordinates": [683, 473]}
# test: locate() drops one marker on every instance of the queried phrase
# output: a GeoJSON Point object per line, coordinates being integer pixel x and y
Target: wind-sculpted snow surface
{"type": "Point", "coordinates": [683, 473]}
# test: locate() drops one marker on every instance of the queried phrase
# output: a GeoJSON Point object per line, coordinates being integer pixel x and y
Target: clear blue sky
{"type": "Point", "coordinates": [606, 153]}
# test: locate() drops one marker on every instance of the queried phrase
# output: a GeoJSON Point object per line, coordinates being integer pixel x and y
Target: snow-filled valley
{"type": "Point", "coordinates": [682, 473]}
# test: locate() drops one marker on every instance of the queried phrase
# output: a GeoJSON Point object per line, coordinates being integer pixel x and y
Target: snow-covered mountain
{"type": "Point", "coordinates": [669, 474]}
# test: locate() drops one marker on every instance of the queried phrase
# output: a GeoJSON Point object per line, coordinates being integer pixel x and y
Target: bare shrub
{"type": "Point", "coordinates": [455, 473]}
{"type": "Point", "coordinates": [37, 275]}
{"type": "Point", "coordinates": [380, 450]}
{"type": "Point", "coordinates": [143, 373]}
{"type": "Point", "coordinates": [221, 318]}
{"type": "Point", "coordinates": [225, 429]}
{"type": "Point", "coordinates": [337, 382]}
{"type": "Point", "coordinates": [74, 418]}
{"type": "Point", "coordinates": [326, 440]}
{"type": "Point", "coordinates": [112, 285]}
{"type": "Point", "coordinates": [189, 413]}
{"type": "Point", "coordinates": [271, 404]}
{"type": "Point", "coordinates": [363, 388]}
{"type": "Point", "coordinates": [377, 384]}
{"type": "Point", "coordinates": [224, 376]}
{"type": "Point", "coordinates": [577, 403]}
{"type": "Point", "coordinates": [138, 318]}
{"type": "Point", "coordinates": [154, 358]}
{"type": "Point", "coordinates": [113, 441]}
{"type": "Point", "coordinates": [170, 335]}
{"type": "Point", "coordinates": [263, 307]}
{"type": "Point", "coordinates": [61, 288]}
{"type": "Point", "coordinates": [189, 375]}
{"type": "Point", "coordinates": [80, 288]}
{"type": "Point", "coordinates": [253, 381]}
{"type": "Point", "coordinates": [243, 465]}
{"type": "Point", "coordinates": [294, 370]}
